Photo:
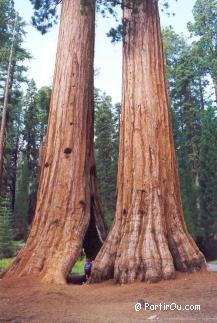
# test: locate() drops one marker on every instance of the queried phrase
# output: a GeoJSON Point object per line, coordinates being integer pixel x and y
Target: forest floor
{"type": "Point", "coordinates": [25, 300]}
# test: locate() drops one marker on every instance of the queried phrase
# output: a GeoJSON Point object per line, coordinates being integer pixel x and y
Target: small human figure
{"type": "Point", "coordinates": [87, 268]}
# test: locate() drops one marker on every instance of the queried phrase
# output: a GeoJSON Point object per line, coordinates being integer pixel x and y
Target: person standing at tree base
{"type": "Point", "coordinates": [87, 268]}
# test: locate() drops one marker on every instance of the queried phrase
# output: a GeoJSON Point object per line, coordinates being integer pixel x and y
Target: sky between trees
{"type": "Point", "coordinates": [108, 60]}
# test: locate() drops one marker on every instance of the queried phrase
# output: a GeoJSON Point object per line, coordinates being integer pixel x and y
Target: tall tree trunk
{"type": "Point", "coordinates": [193, 133]}
{"type": "Point", "coordinates": [5, 104]}
{"type": "Point", "coordinates": [14, 179]}
{"type": "Point", "coordinates": [149, 238]}
{"type": "Point", "coordinates": [215, 87]}
{"type": "Point", "coordinates": [202, 104]}
{"type": "Point", "coordinates": [68, 210]}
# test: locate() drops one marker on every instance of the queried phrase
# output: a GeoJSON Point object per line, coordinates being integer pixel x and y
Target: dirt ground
{"type": "Point", "coordinates": [28, 301]}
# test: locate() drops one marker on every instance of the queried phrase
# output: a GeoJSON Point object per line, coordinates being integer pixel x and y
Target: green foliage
{"type": "Point", "coordinates": [7, 16]}
{"type": "Point", "coordinates": [5, 263]}
{"type": "Point", "coordinates": [14, 28]}
{"type": "Point", "coordinates": [13, 143]}
{"type": "Point", "coordinates": [11, 31]}
{"type": "Point", "coordinates": [115, 138]}
{"type": "Point", "coordinates": [22, 199]}
{"type": "Point", "coordinates": [45, 14]}
{"type": "Point", "coordinates": [43, 104]}
{"type": "Point", "coordinates": [184, 81]}
{"type": "Point", "coordinates": [116, 34]}
{"type": "Point", "coordinates": [208, 172]}
{"type": "Point", "coordinates": [78, 268]}
{"type": "Point", "coordinates": [34, 122]}
{"type": "Point", "coordinates": [6, 236]}
{"type": "Point", "coordinates": [205, 27]}
{"type": "Point", "coordinates": [31, 132]}
{"type": "Point", "coordinates": [194, 123]}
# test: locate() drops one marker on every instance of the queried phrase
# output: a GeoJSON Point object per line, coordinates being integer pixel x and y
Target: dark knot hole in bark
{"type": "Point", "coordinates": [46, 164]}
{"type": "Point", "coordinates": [124, 212]}
{"type": "Point", "coordinates": [53, 223]}
{"type": "Point", "coordinates": [67, 150]}
{"type": "Point", "coordinates": [82, 203]}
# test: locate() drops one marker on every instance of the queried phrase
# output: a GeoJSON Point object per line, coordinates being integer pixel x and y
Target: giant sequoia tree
{"type": "Point", "coordinates": [149, 239]}
{"type": "Point", "coordinates": [68, 214]}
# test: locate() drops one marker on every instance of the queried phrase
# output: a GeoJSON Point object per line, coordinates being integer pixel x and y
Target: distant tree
{"type": "Point", "coordinates": [116, 138]}
{"type": "Point", "coordinates": [31, 131]}
{"type": "Point", "coordinates": [41, 109]}
{"type": "Point", "coordinates": [27, 168]}
{"type": "Point", "coordinates": [205, 27]}
{"type": "Point", "coordinates": [22, 199]}
{"type": "Point", "coordinates": [7, 16]}
{"type": "Point", "coordinates": [6, 101]}
{"type": "Point", "coordinates": [34, 114]}
{"type": "Point", "coordinates": [6, 236]}
{"type": "Point", "coordinates": [43, 104]}
{"type": "Point", "coordinates": [186, 87]}
{"type": "Point", "coordinates": [12, 72]}
{"type": "Point", "coordinates": [208, 173]}
{"type": "Point", "coordinates": [13, 143]}
{"type": "Point", "coordinates": [193, 118]}
{"type": "Point", "coordinates": [105, 153]}
{"type": "Point", "coordinates": [36, 108]}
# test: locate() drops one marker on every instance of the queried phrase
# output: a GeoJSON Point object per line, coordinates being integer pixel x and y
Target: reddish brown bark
{"type": "Point", "coordinates": [149, 238]}
{"type": "Point", "coordinates": [67, 199]}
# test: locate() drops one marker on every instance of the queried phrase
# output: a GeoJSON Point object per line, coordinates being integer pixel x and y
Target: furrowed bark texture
{"type": "Point", "coordinates": [67, 199]}
{"type": "Point", "coordinates": [149, 239]}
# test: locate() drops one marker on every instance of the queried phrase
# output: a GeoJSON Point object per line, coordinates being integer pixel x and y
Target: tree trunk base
{"type": "Point", "coordinates": [149, 257]}
{"type": "Point", "coordinates": [153, 275]}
